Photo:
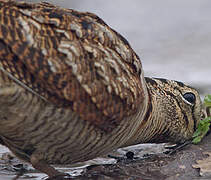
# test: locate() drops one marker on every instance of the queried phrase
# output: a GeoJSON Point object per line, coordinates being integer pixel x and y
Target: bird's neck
{"type": "Point", "coordinates": [151, 127]}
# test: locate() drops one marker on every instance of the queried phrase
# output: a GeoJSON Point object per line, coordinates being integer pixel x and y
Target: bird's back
{"type": "Point", "coordinates": [70, 85]}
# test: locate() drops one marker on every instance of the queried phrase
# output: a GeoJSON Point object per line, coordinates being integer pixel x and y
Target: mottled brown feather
{"type": "Point", "coordinates": [71, 59]}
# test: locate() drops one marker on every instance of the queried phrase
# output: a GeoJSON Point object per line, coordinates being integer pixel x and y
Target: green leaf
{"type": "Point", "coordinates": [207, 101]}
{"type": "Point", "coordinates": [197, 140]}
{"type": "Point", "coordinates": [204, 124]}
{"type": "Point", "coordinates": [202, 127]}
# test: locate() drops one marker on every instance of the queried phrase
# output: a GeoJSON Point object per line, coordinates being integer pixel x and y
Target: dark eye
{"type": "Point", "coordinates": [190, 97]}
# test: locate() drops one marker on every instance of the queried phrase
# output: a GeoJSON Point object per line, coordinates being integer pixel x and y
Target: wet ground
{"type": "Point", "coordinates": [173, 41]}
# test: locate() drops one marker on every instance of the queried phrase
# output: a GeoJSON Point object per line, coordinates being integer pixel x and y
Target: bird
{"type": "Point", "coordinates": [72, 89]}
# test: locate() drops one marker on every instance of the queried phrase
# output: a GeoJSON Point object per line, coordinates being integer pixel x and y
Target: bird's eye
{"type": "Point", "coordinates": [190, 97]}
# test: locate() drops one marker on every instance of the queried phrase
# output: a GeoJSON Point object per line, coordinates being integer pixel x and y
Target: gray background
{"type": "Point", "coordinates": [172, 38]}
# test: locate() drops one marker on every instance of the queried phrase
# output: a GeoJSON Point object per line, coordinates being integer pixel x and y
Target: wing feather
{"type": "Point", "coordinates": [71, 59]}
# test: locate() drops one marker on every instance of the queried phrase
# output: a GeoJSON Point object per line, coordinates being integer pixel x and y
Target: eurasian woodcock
{"type": "Point", "coordinates": [72, 88]}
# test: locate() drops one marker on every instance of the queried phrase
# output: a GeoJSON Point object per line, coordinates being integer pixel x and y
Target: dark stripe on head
{"type": "Point", "coordinates": [180, 83]}
{"type": "Point", "coordinates": [162, 80]}
{"type": "Point", "coordinates": [150, 81]}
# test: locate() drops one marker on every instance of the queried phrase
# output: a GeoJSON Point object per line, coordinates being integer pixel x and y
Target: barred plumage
{"type": "Point", "coordinates": [72, 88]}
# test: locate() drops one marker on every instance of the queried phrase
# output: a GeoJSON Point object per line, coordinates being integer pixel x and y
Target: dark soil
{"type": "Point", "coordinates": [157, 167]}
